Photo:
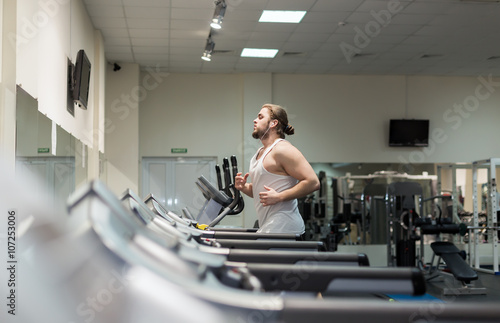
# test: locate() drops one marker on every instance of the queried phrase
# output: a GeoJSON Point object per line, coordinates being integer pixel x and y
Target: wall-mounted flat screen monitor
{"type": "Point", "coordinates": [81, 80]}
{"type": "Point", "coordinates": [408, 133]}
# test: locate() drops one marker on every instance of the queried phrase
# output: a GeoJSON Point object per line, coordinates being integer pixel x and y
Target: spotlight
{"type": "Point", "coordinates": [209, 48]}
{"type": "Point", "coordinates": [116, 67]}
{"type": "Point", "coordinates": [220, 10]}
{"type": "Point", "coordinates": [206, 56]}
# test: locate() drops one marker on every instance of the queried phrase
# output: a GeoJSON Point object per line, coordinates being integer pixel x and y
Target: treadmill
{"type": "Point", "coordinates": [170, 280]}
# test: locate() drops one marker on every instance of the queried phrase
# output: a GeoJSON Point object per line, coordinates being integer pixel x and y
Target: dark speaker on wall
{"type": "Point", "coordinates": [408, 133]}
{"type": "Point", "coordinates": [81, 80]}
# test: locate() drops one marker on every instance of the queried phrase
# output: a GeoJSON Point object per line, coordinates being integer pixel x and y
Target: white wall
{"type": "Point", "coordinates": [97, 134]}
{"type": "Point", "coordinates": [7, 85]}
{"type": "Point", "coordinates": [340, 118]}
{"type": "Point", "coordinates": [337, 118]}
{"type": "Point", "coordinates": [1, 38]}
{"type": "Point", "coordinates": [48, 33]}
{"type": "Point", "coordinates": [346, 118]}
{"type": "Point", "coordinates": [122, 128]}
{"type": "Point", "coordinates": [202, 113]}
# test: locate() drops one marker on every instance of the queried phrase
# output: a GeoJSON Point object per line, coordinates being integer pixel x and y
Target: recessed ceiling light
{"type": "Point", "coordinates": [259, 52]}
{"type": "Point", "coordinates": [282, 16]}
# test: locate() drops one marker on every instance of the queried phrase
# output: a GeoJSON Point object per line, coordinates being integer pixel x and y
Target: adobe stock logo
{"type": "Point", "coordinates": [364, 37]}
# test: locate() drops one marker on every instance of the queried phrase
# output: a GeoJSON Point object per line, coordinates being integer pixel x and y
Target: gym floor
{"type": "Point", "coordinates": [490, 283]}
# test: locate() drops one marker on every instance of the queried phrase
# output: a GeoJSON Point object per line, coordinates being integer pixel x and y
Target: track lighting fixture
{"type": "Point", "coordinates": [209, 48]}
{"type": "Point", "coordinates": [220, 10]}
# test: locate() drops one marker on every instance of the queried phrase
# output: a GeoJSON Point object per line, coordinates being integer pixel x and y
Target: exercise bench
{"type": "Point", "coordinates": [458, 267]}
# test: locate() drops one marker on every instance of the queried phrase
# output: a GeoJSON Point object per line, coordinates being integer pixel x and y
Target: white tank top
{"type": "Point", "coordinates": [282, 217]}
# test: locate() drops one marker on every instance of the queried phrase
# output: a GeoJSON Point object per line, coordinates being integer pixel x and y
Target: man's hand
{"type": "Point", "coordinates": [270, 197]}
{"type": "Point", "coordinates": [240, 181]}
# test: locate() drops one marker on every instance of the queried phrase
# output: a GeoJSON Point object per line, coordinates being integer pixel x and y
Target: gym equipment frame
{"type": "Point", "coordinates": [492, 219]}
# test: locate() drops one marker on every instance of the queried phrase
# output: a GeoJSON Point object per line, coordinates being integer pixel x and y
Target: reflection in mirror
{"type": "Point", "coordinates": [80, 152]}
{"type": "Point", "coordinates": [485, 229]}
{"type": "Point", "coordinates": [351, 207]}
{"type": "Point", "coordinates": [337, 206]}
{"type": "Point", "coordinates": [47, 152]}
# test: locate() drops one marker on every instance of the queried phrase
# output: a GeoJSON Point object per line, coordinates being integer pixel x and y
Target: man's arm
{"type": "Point", "coordinates": [294, 164]}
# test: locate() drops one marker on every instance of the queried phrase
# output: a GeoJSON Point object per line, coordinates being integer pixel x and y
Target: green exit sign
{"type": "Point", "coordinates": [179, 150]}
{"type": "Point", "coordinates": [43, 150]}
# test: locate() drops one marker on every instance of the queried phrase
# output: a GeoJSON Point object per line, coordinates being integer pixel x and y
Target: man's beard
{"type": "Point", "coordinates": [257, 134]}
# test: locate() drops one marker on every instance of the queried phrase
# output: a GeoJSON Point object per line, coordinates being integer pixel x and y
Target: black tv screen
{"type": "Point", "coordinates": [408, 133]}
{"type": "Point", "coordinates": [81, 80]}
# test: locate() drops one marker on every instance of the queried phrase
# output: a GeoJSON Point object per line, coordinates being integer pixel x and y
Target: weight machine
{"type": "Point", "coordinates": [403, 200]}
{"type": "Point", "coordinates": [373, 215]}
{"type": "Point", "coordinates": [369, 191]}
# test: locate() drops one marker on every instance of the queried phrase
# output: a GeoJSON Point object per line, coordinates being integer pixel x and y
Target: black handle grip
{"type": "Point", "coordinates": [227, 175]}
{"type": "Point", "coordinates": [225, 162]}
{"type": "Point", "coordinates": [234, 163]}
{"type": "Point", "coordinates": [219, 178]}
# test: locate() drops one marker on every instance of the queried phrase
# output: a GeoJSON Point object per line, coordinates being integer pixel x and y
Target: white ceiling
{"type": "Point", "coordinates": [433, 37]}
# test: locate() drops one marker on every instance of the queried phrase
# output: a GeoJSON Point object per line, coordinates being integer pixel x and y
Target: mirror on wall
{"type": "Point", "coordinates": [344, 185]}
{"type": "Point", "coordinates": [47, 152]}
{"type": "Point", "coordinates": [351, 178]}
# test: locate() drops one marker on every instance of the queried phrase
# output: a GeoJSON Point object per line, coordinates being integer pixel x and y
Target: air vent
{"type": "Point", "coordinates": [294, 54]}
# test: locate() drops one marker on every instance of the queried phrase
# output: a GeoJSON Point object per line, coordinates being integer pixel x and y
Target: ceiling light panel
{"type": "Point", "coordinates": [282, 16]}
{"type": "Point", "coordinates": [259, 52]}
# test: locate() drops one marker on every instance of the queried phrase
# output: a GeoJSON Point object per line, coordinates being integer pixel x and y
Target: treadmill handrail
{"type": "Point", "coordinates": [225, 212]}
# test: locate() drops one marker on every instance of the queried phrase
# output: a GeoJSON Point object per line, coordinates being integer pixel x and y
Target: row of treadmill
{"type": "Point", "coordinates": [129, 259]}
